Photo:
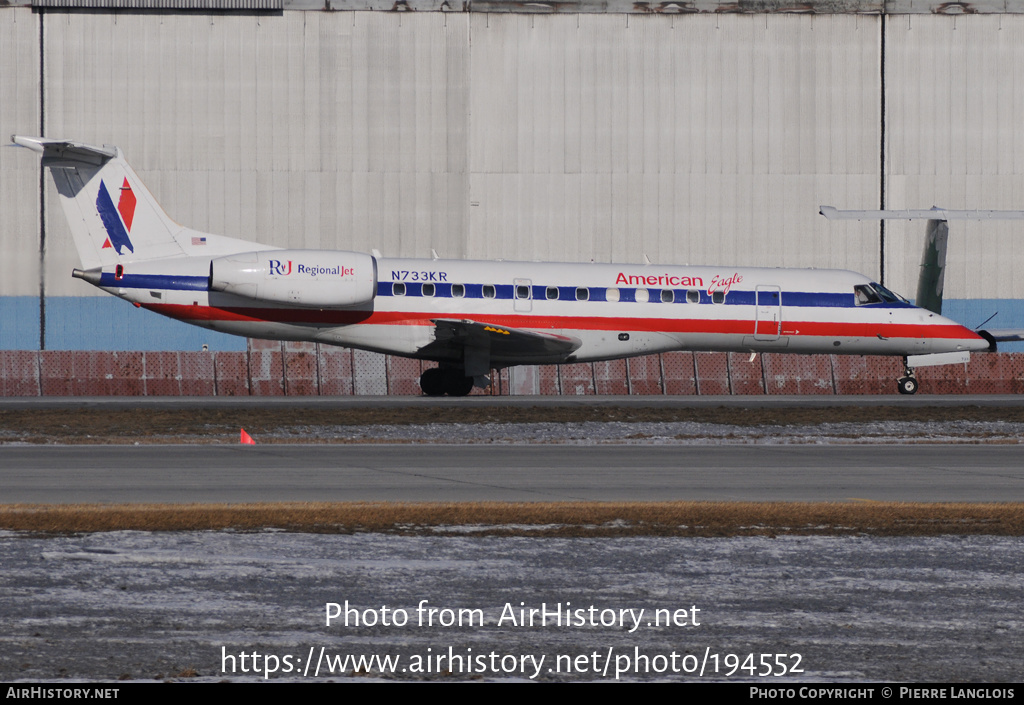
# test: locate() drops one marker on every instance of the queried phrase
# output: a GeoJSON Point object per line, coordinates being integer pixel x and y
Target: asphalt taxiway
{"type": "Point", "coordinates": [411, 472]}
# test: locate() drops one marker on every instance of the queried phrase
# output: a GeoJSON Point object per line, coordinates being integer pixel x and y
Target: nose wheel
{"type": "Point", "coordinates": [907, 384]}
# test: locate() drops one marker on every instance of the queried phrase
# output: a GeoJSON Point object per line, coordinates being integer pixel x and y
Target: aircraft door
{"type": "Point", "coordinates": [768, 313]}
{"type": "Point", "coordinates": [522, 295]}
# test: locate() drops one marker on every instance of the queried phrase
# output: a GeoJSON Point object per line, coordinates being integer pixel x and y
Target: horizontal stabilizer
{"type": "Point", "coordinates": [933, 213]}
{"type": "Point", "coordinates": [1004, 335]}
{"type": "Point", "coordinates": [56, 152]}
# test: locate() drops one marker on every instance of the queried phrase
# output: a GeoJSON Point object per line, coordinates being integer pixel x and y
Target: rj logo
{"type": "Point", "coordinates": [277, 268]}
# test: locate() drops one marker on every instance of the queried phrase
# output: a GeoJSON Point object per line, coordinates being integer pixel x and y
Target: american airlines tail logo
{"type": "Point", "coordinates": [117, 221]}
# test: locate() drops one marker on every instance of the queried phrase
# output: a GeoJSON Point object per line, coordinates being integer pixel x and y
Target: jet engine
{"type": "Point", "coordinates": [307, 278]}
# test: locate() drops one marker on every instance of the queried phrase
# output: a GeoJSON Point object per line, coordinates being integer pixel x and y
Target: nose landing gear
{"type": "Point", "coordinates": [907, 384]}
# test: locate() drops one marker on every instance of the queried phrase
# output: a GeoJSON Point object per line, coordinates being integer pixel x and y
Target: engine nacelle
{"type": "Point", "coordinates": [308, 278]}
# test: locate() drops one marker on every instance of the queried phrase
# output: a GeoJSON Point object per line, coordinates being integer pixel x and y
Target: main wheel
{"type": "Point", "coordinates": [907, 385]}
{"type": "Point", "coordinates": [433, 382]}
{"type": "Point", "coordinates": [457, 383]}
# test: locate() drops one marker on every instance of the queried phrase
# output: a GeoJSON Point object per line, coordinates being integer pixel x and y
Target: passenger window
{"type": "Point", "coordinates": [428, 289]}
{"type": "Point", "coordinates": [667, 296]}
{"type": "Point", "coordinates": [398, 289]}
{"type": "Point", "coordinates": [552, 293]}
{"type": "Point", "coordinates": [489, 291]}
{"type": "Point", "coordinates": [611, 294]}
{"type": "Point", "coordinates": [692, 296]}
{"type": "Point", "coordinates": [458, 291]}
{"type": "Point", "coordinates": [522, 291]}
{"type": "Point", "coordinates": [718, 297]}
{"type": "Point", "coordinates": [642, 296]}
{"type": "Point", "coordinates": [582, 294]}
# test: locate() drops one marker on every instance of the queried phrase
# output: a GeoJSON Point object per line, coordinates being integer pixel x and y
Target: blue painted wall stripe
{"type": "Point", "coordinates": [100, 323]}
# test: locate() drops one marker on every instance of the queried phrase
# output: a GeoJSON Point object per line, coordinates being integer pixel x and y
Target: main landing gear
{"type": "Point", "coordinates": [907, 384]}
{"type": "Point", "coordinates": [438, 381]}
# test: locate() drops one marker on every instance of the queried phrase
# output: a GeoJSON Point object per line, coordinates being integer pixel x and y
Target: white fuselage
{"type": "Point", "coordinates": [613, 310]}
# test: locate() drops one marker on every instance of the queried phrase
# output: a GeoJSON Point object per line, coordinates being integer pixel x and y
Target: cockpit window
{"type": "Point", "coordinates": [865, 295]}
{"type": "Point", "coordinates": [875, 293]}
{"type": "Point", "coordinates": [887, 295]}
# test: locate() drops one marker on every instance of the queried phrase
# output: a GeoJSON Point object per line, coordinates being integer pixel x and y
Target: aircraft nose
{"type": "Point", "coordinates": [968, 339]}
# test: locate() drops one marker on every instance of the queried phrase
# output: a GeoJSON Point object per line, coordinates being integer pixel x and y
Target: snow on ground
{"type": "Point", "coordinates": [681, 433]}
{"type": "Point", "coordinates": [153, 605]}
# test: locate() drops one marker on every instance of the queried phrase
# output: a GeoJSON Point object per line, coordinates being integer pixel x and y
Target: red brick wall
{"type": "Point", "coordinates": [307, 369]}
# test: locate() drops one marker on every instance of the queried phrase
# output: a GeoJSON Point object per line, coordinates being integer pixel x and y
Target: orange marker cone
{"type": "Point", "coordinates": [247, 439]}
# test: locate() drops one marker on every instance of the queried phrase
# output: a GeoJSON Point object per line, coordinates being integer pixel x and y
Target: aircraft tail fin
{"type": "Point", "coordinates": [112, 215]}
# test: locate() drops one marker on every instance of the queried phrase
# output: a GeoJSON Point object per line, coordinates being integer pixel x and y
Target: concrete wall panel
{"type": "Point", "coordinates": [610, 377]}
{"type": "Point", "coordinates": [859, 374]}
{"type": "Point", "coordinates": [576, 379]}
{"type": "Point", "coordinates": [301, 373]}
{"type": "Point", "coordinates": [266, 372]}
{"type": "Point", "coordinates": [524, 379]}
{"type": "Point", "coordinates": [98, 373]}
{"type": "Point", "coordinates": [712, 373]}
{"type": "Point", "coordinates": [797, 374]}
{"type": "Point", "coordinates": [943, 379]}
{"type": "Point", "coordinates": [403, 376]}
{"type": "Point", "coordinates": [645, 375]}
{"type": "Point", "coordinates": [1002, 373]}
{"type": "Point", "coordinates": [198, 373]}
{"type": "Point", "coordinates": [232, 374]}
{"type": "Point", "coordinates": [369, 373]}
{"type": "Point", "coordinates": [162, 376]}
{"type": "Point", "coordinates": [746, 376]}
{"type": "Point", "coordinates": [335, 366]}
{"type": "Point", "coordinates": [19, 373]}
{"type": "Point", "coordinates": [678, 370]}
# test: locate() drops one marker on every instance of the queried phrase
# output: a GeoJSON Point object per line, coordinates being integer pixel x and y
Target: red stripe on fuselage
{"type": "Point", "coordinates": [530, 322]}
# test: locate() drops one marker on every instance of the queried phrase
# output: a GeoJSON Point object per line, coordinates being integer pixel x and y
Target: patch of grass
{"type": "Point", "coordinates": [89, 425]}
{"type": "Point", "coordinates": [541, 519]}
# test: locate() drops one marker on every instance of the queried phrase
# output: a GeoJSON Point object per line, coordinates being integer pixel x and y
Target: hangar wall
{"type": "Point", "coordinates": [690, 138]}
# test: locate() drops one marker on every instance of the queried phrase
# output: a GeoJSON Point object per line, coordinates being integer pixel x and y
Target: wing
{"type": "Point", "coordinates": [1002, 335]}
{"type": "Point", "coordinates": [486, 344]}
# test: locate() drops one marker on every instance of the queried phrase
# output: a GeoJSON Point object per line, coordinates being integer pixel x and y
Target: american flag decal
{"type": "Point", "coordinates": [198, 240]}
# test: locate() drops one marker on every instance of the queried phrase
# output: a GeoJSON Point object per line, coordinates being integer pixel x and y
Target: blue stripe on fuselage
{"type": "Point", "coordinates": [155, 281]}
